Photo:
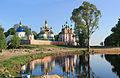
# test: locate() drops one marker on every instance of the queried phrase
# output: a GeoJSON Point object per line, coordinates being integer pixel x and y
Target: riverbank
{"type": "Point", "coordinates": [32, 49]}
{"type": "Point", "coordinates": [12, 66]}
{"type": "Point", "coordinates": [11, 60]}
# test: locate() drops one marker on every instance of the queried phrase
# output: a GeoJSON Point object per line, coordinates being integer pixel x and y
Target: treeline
{"type": "Point", "coordinates": [114, 38]}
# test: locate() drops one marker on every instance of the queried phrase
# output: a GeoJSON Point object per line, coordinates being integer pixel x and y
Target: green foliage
{"type": "Point", "coordinates": [1, 29]}
{"type": "Point", "coordinates": [15, 42]}
{"type": "Point", "coordinates": [114, 38]}
{"type": "Point", "coordinates": [11, 31]}
{"type": "Point", "coordinates": [3, 44]}
{"type": "Point", "coordinates": [35, 34]}
{"type": "Point", "coordinates": [81, 36]}
{"type": "Point", "coordinates": [56, 37]}
{"type": "Point", "coordinates": [86, 17]}
{"type": "Point", "coordinates": [101, 44]}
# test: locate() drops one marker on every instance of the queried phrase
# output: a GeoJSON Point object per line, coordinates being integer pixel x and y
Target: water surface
{"type": "Point", "coordinates": [76, 66]}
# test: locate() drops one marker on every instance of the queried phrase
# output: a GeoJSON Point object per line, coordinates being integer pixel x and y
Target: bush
{"type": "Point", "coordinates": [3, 44]}
{"type": "Point", "coordinates": [15, 42]}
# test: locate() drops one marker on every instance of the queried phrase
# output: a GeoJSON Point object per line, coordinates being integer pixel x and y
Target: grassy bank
{"type": "Point", "coordinates": [13, 65]}
{"type": "Point", "coordinates": [46, 46]}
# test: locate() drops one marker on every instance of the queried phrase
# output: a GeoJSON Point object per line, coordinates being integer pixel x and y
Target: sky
{"type": "Point", "coordinates": [57, 12]}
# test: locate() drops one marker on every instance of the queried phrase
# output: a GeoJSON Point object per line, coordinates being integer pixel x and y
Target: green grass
{"type": "Point", "coordinates": [46, 46]}
{"type": "Point", "coordinates": [13, 65]}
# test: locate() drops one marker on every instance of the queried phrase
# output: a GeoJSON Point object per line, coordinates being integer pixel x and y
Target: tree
{"type": "Point", "coordinates": [35, 34]}
{"type": "Point", "coordinates": [1, 29]}
{"type": "Point", "coordinates": [114, 38]}
{"type": "Point", "coordinates": [80, 35]}
{"type": "Point", "coordinates": [87, 17]}
{"type": "Point", "coordinates": [56, 37]}
{"type": "Point", "coordinates": [3, 44]}
{"type": "Point", "coordinates": [15, 42]}
{"type": "Point", "coordinates": [101, 44]}
{"type": "Point", "coordinates": [11, 31]}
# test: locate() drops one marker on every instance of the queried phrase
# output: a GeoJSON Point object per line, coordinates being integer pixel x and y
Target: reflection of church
{"type": "Point", "coordinates": [46, 33]}
{"type": "Point", "coordinates": [48, 64]}
{"type": "Point", "coordinates": [68, 66]}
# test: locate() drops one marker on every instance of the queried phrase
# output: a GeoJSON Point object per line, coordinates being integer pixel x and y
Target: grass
{"type": "Point", "coordinates": [13, 65]}
{"type": "Point", "coordinates": [46, 46]}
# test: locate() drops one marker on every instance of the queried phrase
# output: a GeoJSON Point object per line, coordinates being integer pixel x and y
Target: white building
{"type": "Point", "coordinates": [20, 32]}
{"type": "Point", "coordinates": [46, 33]}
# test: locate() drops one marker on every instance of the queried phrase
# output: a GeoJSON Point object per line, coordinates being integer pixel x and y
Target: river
{"type": "Point", "coordinates": [76, 66]}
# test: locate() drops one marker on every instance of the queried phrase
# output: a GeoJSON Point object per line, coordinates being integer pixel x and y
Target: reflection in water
{"type": "Point", "coordinates": [114, 60]}
{"type": "Point", "coordinates": [77, 66]}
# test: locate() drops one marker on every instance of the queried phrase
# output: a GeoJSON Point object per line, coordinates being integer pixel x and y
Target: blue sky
{"type": "Point", "coordinates": [57, 12]}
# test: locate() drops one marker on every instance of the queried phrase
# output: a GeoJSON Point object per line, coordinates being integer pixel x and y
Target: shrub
{"type": "Point", "coordinates": [15, 42]}
{"type": "Point", "coordinates": [3, 44]}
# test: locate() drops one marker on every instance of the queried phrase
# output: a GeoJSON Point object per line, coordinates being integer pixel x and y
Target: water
{"type": "Point", "coordinates": [76, 66]}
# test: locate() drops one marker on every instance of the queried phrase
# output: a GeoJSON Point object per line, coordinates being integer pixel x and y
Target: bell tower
{"type": "Point", "coordinates": [45, 23]}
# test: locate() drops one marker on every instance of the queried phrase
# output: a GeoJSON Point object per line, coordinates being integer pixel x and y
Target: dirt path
{"type": "Point", "coordinates": [6, 54]}
{"type": "Point", "coordinates": [106, 51]}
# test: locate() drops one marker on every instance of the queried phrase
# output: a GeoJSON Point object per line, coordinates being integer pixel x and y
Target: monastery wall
{"type": "Point", "coordinates": [42, 42]}
{"type": "Point", "coordinates": [25, 42]}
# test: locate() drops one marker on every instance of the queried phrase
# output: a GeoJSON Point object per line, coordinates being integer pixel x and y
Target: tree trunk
{"type": "Point", "coordinates": [88, 38]}
{"type": "Point", "coordinates": [88, 44]}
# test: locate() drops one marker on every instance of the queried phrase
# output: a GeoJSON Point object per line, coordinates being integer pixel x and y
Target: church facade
{"type": "Point", "coordinates": [20, 32]}
{"type": "Point", "coordinates": [66, 35]}
{"type": "Point", "coordinates": [46, 33]}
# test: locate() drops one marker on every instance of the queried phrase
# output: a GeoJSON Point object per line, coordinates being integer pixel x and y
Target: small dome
{"type": "Point", "coordinates": [30, 29]}
{"type": "Point", "coordinates": [51, 32]}
{"type": "Point", "coordinates": [20, 29]}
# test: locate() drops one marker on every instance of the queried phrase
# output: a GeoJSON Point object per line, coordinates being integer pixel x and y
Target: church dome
{"type": "Point", "coordinates": [20, 29]}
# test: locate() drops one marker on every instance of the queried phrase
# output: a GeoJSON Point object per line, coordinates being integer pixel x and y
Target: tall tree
{"type": "Point", "coordinates": [87, 17]}
{"type": "Point", "coordinates": [3, 44]}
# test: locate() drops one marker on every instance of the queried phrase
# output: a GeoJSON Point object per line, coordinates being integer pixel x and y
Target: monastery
{"type": "Point", "coordinates": [46, 36]}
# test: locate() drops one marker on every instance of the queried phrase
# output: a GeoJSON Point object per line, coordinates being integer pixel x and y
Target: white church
{"type": "Point", "coordinates": [20, 32]}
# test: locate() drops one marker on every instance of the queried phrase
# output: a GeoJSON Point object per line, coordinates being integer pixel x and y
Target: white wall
{"type": "Point", "coordinates": [20, 34]}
